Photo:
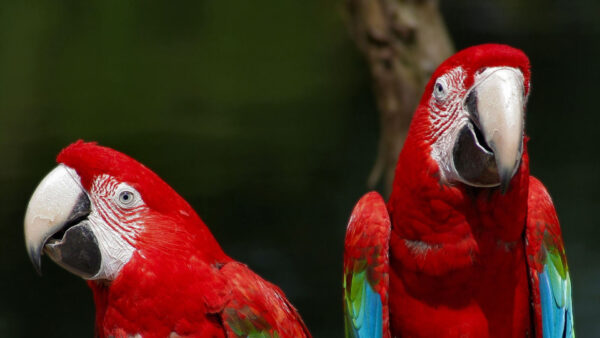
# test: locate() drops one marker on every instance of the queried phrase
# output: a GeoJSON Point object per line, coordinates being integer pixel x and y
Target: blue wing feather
{"type": "Point", "coordinates": [555, 299]}
{"type": "Point", "coordinates": [548, 270]}
{"type": "Point", "coordinates": [364, 309]}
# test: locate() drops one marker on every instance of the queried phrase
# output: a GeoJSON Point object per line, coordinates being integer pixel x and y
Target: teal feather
{"type": "Point", "coordinates": [363, 313]}
{"type": "Point", "coordinates": [555, 293]}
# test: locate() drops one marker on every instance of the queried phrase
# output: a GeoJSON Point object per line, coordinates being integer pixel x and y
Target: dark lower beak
{"type": "Point", "coordinates": [56, 224]}
{"type": "Point", "coordinates": [488, 150]}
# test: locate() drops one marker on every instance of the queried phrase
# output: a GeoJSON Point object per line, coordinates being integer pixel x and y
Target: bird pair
{"type": "Point", "coordinates": [468, 244]}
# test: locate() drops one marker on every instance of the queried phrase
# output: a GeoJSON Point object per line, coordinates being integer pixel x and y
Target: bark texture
{"type": "Point", "coordinates": [403, 42]}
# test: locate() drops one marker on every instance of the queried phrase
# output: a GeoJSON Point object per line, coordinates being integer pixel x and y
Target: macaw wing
{"type": "Point", "coordinates": [257, 308]}
{"type": "Point", "coordinates": [366, 269]}
{"type": "Point", "coordinates": [548, 270]}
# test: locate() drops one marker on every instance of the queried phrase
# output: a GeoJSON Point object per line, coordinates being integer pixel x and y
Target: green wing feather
{"type": "Point", "coordinates": [258, 308]}
{"type": "Point", "coordinates": [366, 267]}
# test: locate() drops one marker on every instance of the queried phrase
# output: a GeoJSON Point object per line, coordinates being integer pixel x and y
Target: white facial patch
{"type": "Point", "coordinates": [497, 104]}
{"type": "Point", "coordinates": [447, 118]}
{"type": "Point", "coordinates": [116, 221]}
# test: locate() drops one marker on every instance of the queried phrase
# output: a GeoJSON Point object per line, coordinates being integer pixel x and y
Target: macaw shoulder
{"type": "Point", "coordinates": [543, 227]}
{"type": "Point", "coordinates": [366, 247]}
{"type": "Point", "coordinates": [369, 225]}
{"type": "Point", "coordinates": [257, 307]}
{"type": "Point", "coordinates": [539, 202]}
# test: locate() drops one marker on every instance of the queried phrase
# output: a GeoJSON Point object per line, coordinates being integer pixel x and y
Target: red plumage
{"type": "Point", "coordinates": [366, 248]}
{"type": "Point", "coordinates": [464, 259]}
{"type": "Point", "coordinates": [466, 282]}
{"type": "Point", "coordinates": [450, 288]}
{"type": "Point", "coordinates": [178, 280]}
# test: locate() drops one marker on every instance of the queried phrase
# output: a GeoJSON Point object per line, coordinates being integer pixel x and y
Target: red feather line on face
{"type": "Point", "coordinates": [444, 114]}
{"type": "Point", "coordinates": [126, 222]}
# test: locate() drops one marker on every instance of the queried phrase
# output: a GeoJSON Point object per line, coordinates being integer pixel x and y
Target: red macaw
{"type": "Point", "coordinates": [469, 244]}
{"type": "Point", "coordinates": [153, 266]}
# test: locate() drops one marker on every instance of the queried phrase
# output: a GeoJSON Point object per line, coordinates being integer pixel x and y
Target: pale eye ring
{"type": "Point", "coordinates": [126, 197]}
{"type": "Point", "coordinates": [439, 90]}
{"type": "Point", "coordinates": [439, 87]}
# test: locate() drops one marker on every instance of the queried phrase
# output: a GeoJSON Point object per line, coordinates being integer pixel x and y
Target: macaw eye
{"type": "Point", "coordinates": [439, 89]}
{"type": "Point", "coordinates": [126, 197]}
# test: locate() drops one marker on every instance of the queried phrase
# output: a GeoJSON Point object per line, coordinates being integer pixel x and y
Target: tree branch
{"type": "Point", "coordinates": [403, 42]}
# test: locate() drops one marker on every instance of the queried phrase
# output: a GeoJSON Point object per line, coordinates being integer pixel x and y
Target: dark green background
{"type": "Point", "coordinates": [260, 114]}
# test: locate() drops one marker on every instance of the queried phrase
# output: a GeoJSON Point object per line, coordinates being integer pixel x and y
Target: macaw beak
{"type": "Point", "coordinates": [489, 148]}
{"type": "Point", "coordinates": [56, 224]}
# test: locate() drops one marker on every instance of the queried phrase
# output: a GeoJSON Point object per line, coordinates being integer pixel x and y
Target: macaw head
{"type": "Point", "coordinates": [99, 208]}
{"type": "Point", "coordinates": [471, 116]}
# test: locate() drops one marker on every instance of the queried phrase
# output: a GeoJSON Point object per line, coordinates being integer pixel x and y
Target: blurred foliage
{"type": "Point", "coordinates": [260, 114]}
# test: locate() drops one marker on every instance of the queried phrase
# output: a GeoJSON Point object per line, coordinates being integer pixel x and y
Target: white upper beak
{"type": "Point", "coordinates": [51, 206]}
{"type": "Point", "coordinates": [501, 114]}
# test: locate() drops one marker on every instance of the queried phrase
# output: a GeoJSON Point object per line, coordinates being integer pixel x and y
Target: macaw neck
{"type": "Point", "coordinates": [458, 222]}
{"type": "Point", "coordinates": [165, 272]}
{"type": "Point", "coordinates": [158, 295]}
{"type": "Point", "coordinates": [176, 238]}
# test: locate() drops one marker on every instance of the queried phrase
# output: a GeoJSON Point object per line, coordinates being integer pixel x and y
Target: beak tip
{"type": "Point", "coordinates": [36, 259]}
{"type": "Point", "coordinates": [505, 178]}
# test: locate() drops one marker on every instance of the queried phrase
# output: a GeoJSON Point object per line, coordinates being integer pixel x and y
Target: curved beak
{"type": "Point", "coordinates": [501, 113]}
{"type": "Point", "coordinates": [56, 223]}
{"type": "Point", "coordinates": [489, 149]}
